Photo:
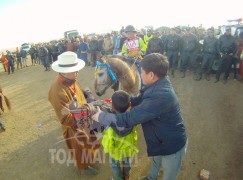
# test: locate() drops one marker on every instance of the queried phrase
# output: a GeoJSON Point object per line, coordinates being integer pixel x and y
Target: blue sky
{"type": "Point", "coordinates": [42, 20]}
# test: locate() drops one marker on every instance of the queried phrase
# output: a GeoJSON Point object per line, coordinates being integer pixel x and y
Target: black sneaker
{"type": "Point", "coordinates": [91, 171]}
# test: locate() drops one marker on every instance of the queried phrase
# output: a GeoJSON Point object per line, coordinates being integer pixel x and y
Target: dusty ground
{"type": "Point", "coordinates": [213, 116]}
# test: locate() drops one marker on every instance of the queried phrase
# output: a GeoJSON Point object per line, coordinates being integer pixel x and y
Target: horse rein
{"type": "Point", "coordinates": [131, 67]}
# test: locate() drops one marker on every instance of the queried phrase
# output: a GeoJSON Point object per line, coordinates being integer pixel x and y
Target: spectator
{"type": "Point", "coordinates": [10, 58]}
{"type": "Point", "coordinates": [54, 51]}
{"type": "Point", "coordinates": [70, 46]}
{"type": "Point", "coordinates": [19, 58]}
{"type": "Point", "coordinates": [82, 51]}
{"type": "Point", "coordinates": [44, 57]}
{"type": "Point", "coordinates": [108, 44]}
{"type": "Point", "coordinates": [239, 52]}
{"type": "Point", "coordinates": [189, 50]}
{"type": "Point", "coordinates": [210, 52]}
{"type": "Point", "coordinates": [147, 37]}
{"type": "Point", "coordinates": [61, 47]}
{"type": "Point", "coordinates": [32, 53]}
{"type": "Point", "coordinates": [93, 47]}
{"type": "Point", "coordinates": [155, 44]}
{"type": "Point", "coordinates": [172, 49]}
{"type": "Point", "coordinates": [227, 48]}
{"type": "Point", "coordinates": [101, 45]}
{"type": "Point", "coordinates": [24, 57]}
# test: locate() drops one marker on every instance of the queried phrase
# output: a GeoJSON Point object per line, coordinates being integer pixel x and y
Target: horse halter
{"type": "Point", "coordinates": [110, 72]}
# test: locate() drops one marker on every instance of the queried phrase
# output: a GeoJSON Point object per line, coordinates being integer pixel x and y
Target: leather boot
{"type": "Point", "coordinates": [199, 77]}
{"type": "Point", "coordinates": [208, 77]}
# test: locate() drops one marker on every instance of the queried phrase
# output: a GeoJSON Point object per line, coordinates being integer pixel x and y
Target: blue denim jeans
{"type": "Point", "coordinates": [121, 169]}
{"type": "Point", "coordinates": [170, 164]}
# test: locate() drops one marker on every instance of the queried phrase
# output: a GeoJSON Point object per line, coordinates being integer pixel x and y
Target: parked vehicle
{"type": "Point", "coordinates": [236, 28]}
{"type": "Point", "coordinates": [69, 34]}
{"type": "Point", "coordinates": [26, 47]}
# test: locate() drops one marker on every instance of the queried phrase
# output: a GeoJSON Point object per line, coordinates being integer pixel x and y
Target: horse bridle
{"type": "Point", "coordinates": [110, 72]}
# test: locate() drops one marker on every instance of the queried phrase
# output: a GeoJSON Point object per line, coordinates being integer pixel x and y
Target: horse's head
{"type": "Point", "coordinates": [104, 77]}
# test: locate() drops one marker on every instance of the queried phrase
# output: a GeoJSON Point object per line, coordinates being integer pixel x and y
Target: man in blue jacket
{"type": "Point", "coordinates": [157, 110]}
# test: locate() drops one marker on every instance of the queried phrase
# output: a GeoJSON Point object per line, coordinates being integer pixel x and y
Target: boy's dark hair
{"type": "Point", "coordinates": [156, 63]}
{"type": "Point", "coordinates": [120, 101]}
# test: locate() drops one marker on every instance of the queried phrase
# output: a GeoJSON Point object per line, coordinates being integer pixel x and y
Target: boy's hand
{"type": "Point", "coordinates": [96, 115]}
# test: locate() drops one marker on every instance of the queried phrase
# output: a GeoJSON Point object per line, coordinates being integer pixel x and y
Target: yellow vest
{"type": "Point", "coordinates": [120, 147]}
{"type": "Point", "coordinates": [146, 39]}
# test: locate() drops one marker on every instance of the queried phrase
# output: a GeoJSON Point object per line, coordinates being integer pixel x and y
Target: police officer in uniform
{"type": "Point", "coordinates": [155, 44]}
{"type": "Point", "coordinates": [189, 49]}
{"type": "Point", "coordinates": [227, 48]}
{"type": "Point", "coordinates": [210, 52]}
{"type": "Point", "coordinates": [172, 49]}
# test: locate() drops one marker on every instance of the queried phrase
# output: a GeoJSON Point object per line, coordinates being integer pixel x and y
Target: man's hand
{"type": "Point", "coordinates": [96, 115]}
{"type": "Point", "coordinates": [125, 55]}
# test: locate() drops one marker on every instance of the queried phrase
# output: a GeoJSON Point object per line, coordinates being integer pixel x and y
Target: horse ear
{"type": "Point", "coordinates": [102, 60]}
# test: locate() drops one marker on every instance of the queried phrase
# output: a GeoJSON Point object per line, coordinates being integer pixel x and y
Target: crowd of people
{"type": "Point", "coordinates": [156, 54]}
{"type": "Point", "coordinates": [182, 47]}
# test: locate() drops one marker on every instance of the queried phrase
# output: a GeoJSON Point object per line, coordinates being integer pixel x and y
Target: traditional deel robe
{"type": "Point", "coordinates": [81, 144]}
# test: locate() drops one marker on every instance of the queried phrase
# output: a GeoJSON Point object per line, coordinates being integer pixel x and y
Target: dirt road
{"type": "Point", "coordinates": [213, 116]}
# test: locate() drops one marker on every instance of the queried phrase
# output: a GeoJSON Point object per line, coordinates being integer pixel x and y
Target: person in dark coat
{"type": "Point", "coordinates": [32, 53]}
{"type": "Point", "coordinates": [210, 53]}
{"type": "Point", "coordinates": [10, 62]}
{"type": "Point", "coordinates": [155, 44]}
{"type": "Point", "coordinates": [157, 109]}
{"type": "Point", "coordinates": [172, 49]}
{"type": "Point", "coordinates": [227, 48]}
{"type": "Point", "coordinates": [189, 46]}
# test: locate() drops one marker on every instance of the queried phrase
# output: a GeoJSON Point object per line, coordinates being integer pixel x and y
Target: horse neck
{"type": "Point", "coordinates": [124, 74]}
